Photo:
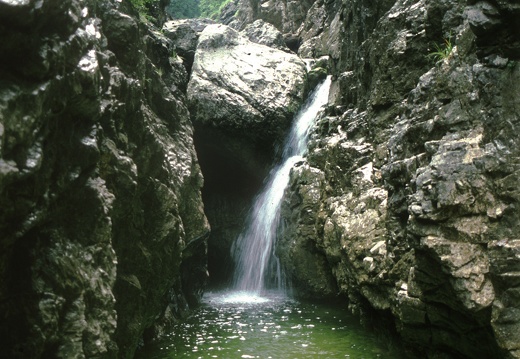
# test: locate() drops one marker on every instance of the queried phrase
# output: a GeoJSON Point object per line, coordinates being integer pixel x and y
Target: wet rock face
{"type": "Point", "coordinates": [408, 196]}
{"type": "Point", "coordinates": [102, 224]}
{"type": "Point", "coordinates": [494, 25]}
{"type": "Point", "coordinates": [304, 262]}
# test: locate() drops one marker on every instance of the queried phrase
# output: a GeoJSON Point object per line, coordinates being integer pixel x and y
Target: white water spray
{"type": "Point", "coordinates": [254, 249]}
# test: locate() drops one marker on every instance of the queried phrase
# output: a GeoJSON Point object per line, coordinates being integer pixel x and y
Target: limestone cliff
{"type": "Point", "coordinates": [102, 228]}
{"type": "Point", "coordinates": [408, 202]}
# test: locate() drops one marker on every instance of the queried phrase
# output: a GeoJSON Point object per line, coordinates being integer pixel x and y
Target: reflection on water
{"type": "Point", "coordinates": [239, 325]}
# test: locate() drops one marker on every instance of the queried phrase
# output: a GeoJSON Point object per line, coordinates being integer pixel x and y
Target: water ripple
{"type": "Point", "coordinates": [239, 325]}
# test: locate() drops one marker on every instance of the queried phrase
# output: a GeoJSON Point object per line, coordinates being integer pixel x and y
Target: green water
{"type": "Point", "coordinates": [232, 325]}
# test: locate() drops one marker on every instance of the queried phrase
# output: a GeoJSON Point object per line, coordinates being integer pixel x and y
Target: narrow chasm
{"type": "Point", "coordinates": [175, 188]}
{"type": "Point", "coordinates": [234, 170]}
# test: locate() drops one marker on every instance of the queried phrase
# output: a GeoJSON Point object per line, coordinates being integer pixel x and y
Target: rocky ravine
{"type": "Point", "coordinates": [408, 202]}
{"type": "Point", "coordinates": [103, 235]}
{"type": "Point", "coordinates": [406, 205]}
{"type": "Point", "coordinates": [244, 90]}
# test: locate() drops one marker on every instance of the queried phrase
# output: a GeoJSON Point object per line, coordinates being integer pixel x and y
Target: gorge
{"type": "Point", "coordinates": [131, 148]}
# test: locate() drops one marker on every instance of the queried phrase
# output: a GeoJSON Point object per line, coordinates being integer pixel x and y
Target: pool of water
{"type": "Point", "coordinates": [240, 325]}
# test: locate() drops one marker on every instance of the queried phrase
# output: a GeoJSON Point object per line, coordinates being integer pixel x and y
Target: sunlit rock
{"type": "Point", "coordinates": [243, 87]}
{"type": "Point", "coordinates": [185, 35]}
{"type": "Point", "coordinates": [263, 33]}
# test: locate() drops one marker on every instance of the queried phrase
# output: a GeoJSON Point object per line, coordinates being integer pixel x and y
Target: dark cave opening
{"type": "Point", "coordinates": [234, 168]}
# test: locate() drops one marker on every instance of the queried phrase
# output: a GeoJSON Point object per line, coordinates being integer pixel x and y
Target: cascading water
{"type": "Point", "coordinates": [249, 322]}
{"type": "Point", "coordinates": [254, 249]}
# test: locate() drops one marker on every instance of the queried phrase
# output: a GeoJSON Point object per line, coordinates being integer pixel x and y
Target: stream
{"type": "Point", "coordinates": [232, 325]}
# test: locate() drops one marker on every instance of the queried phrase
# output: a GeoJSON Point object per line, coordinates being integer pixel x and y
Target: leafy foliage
{"type": "Point", "coordinates": [183, 9]}
{"type": "Point", "coordinates": [144, 6]}
{"type": "Point", "coordinates": [212, 8]}
{"type": "Point", "coordinates": [141, 5]}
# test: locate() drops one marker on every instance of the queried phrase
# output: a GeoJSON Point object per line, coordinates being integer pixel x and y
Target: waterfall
{"type": "Point", "coordinates": [254, 248]}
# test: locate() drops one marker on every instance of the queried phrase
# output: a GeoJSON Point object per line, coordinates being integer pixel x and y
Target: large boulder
{"type": "Point", "coordinates": [243, 87]}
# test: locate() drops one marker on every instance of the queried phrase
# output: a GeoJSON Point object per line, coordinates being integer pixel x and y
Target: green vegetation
{"type": "Point", "coordinates": [183, 9]}
{"type": "Point", "coordinates": [442, 52]}
{"type": "Point", "coordinates": [143, 6]}
{"type": "Point", "coordinates": [147, 9]}
{"type": "Point", "coordinates": [212, 8]}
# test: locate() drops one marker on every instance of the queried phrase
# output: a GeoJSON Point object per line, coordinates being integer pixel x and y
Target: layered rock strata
{"type": "Point", "coordinates": [102, 228]}
{"type": "Point", "coordinates": [407, 203]}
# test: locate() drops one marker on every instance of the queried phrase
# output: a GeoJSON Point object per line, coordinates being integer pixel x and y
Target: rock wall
{"type": "Point", "coordinates": [103, 235]}
{"type": "Point", "coordinates": [407, 204]}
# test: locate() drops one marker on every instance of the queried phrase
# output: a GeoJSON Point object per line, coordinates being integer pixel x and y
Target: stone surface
{"type": "Point", "coordinates": [185, 36]}
{"type": "Point", "coordinates": [309, 27]}
{"type": "Point", "coordinates": [263, 33]}
{"type": "Point", "coordinates": [409, 194]}
{"type": "Point", "coordinates": [243, 87]}
{"type": "Point", "coordinates": [286, 15]}
{"type": "Point", "coordinates": [103, 231]}
{"type": "Point", "coordinates": [494, 25]}
{"type": "Point", "coordinates": [305, 262]}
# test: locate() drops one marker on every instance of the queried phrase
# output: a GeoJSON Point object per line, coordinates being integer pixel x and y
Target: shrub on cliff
{"type": "Point", "coordinates": [144, 6]}
{"type": "Point", "coordinates": [442, 52]}
{"type": "Point", "coordinates": [185, 9]}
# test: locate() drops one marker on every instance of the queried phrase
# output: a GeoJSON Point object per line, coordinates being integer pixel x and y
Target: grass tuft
{"type": "Point", "coordinates": [442, 52]}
